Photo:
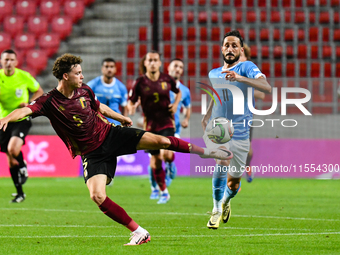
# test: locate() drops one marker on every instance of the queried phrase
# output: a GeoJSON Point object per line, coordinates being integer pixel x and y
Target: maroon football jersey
{"type": "Point", "coordinates": [155, 100]}
{"type": "Point", "coordinates": [76, 121]}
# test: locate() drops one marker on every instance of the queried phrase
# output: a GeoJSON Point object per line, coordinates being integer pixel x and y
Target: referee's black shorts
{"type": "Point", "coordinates": [19, 129]}
{"type": "Point", "coordinates": [103, 160]}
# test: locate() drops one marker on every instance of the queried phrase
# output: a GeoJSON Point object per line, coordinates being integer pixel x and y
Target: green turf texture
{"type": "Point", "coordinates": [269, 216]}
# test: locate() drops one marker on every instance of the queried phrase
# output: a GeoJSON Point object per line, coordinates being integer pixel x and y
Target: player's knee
{"type": "Point", "coordinates": [12, 152]}
{"type": "Point", "coordinates": [98, 197]}
{"type": "Point", "coordinates": [164, 142]}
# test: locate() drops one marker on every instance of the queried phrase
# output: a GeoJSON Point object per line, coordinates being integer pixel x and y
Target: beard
{"type": "Point", "coordinates": [231, 61]}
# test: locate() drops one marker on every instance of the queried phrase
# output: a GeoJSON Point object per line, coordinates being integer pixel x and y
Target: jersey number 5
{"type": "Point", "coordinates": [75, 117]}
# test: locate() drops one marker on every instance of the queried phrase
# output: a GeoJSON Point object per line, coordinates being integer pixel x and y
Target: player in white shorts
{"type": "Point", "coordinates": [234, 73]}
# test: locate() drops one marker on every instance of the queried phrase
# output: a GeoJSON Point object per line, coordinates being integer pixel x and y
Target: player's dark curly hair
{"type": "Point", "coordinates": [64, 64]}
{"type": "Point", "coordinates": [233, 33]}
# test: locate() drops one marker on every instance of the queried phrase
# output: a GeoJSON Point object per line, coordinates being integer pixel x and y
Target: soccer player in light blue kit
{"type": "Point", "coordinates": [109, 90]}
{"type": "Point", "coordinates": [175, 70]}
{"type": "Point", "coordinates": [225, 184]}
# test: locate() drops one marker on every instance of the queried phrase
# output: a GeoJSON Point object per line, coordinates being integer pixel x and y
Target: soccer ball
{"type": "Point", "coordinates": [220, 130]}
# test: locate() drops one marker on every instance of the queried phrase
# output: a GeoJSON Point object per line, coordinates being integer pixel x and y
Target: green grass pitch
{"type": "Point", "coordinates": [269, 216]}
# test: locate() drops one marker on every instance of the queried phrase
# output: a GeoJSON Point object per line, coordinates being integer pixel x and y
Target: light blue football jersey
{"type": "Point", "coordinates": [247, 69]}
{"type": "Point", "coordinates": [185, 101]}
{"type": "Point", "coordinates": [113, 94]}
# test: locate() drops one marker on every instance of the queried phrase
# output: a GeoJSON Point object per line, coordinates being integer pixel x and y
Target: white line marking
{"type": "Point", "coordinates": [177, 236]}
{"type": "Point", "coordinates": [168, 213]}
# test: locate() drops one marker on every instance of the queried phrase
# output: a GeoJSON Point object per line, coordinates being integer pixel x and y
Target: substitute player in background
{"type": "Point", "coordinates": [153, 89]}
{"type": "Point", "coordinates": [225, 184]}
{"type": "Point", "coordinates": [15, 86]}
{"type": "Point", "coordinates": [108, 89]}
{"type": "Point", "coordinates": [77, 117]}
{"type": "Point", "coordinates": [175, 70]}
{"type": "Point", "coordinates": [246, 55]}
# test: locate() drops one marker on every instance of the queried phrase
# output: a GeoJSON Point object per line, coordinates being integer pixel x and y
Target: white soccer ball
{"type": "Point", "coordinates": [220, 130]}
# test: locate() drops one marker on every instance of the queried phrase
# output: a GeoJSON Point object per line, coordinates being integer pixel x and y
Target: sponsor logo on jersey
{"type": "Point", "coordinates": [18, 92]}
{"type": "Point", "coordinates": [164, 85]}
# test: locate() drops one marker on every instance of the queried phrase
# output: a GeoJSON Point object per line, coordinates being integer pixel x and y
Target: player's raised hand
{"type": "Point", "coordinates": [3, 124]}
{"type": "Point", "coordinates": [126, 122]}
{"type": "Point", "coordinates": [172, 108]}
{"type": "Point", "coordinates": [231, 75]}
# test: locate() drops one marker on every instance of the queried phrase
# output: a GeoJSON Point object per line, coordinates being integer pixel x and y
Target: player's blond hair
{"type": "Point", "coordinates": [247, 52]}
{"type": "Point", "coordinates": [64, 64]}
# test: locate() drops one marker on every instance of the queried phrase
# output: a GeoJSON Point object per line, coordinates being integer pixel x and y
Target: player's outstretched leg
{"type": "Point", "coordinates": [96, 185]}
{"type": "Point", "coordinates": [234, 185]}
{"type": "Point", "coordinates": [151, 141]}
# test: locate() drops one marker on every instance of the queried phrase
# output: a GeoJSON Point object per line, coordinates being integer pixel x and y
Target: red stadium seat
{"type": "Point", "coordinates": [314, 51]}
{"type": "Point", "coordinates": [325, 34]}
{"type": "Point", "coordinates": [289, 51]}
{"type": "Point", "coordinates": [202, 17]}
{"type": "Point", "coordinates": [289, 34]}
{"type": "Point", "coordinates": [274, 3]}
{"type": "Point", "coordinates": [276, 34]}
{"type": "Point", "coordinates": [278, 69]}
{"type": "Point", "coordinates": [251, 17]}
{"type": "Point", "coordinates": [6, 8]}
{"type": "Point", "coordinates": [227, 17]}
{"type": "Point", "coordinates": [327, 69]}
{"type": "Point", "coordinates": [166, 2]}
{"type": "Point", "coordinates": [275, 17]}
{"type": "Point", "coordinates": [62, 25]}
{"type": "Point", "coordinates": [298, 3]}
{"type": "Point", "coordinates": [336, 35]}
{"type": "Point", "coordinates": [5, 41]}
{"type": "Point", "coordinates": [75, 9]}
{"type": "Point", "coordinates": [288, 16]}
{"type": "Point", "coordinates": [166, 17]}
{"type": "Point", "coordinates": [277, 52]}
{"type": "Point", "coordinates": [166, 34]}
{"type": "Point", "coordinates": [337, 70]}
{"type": "Point", "coordinates": [179, 34]}
{"type": "Point", "coordinates": [265, 68]}
{"type": "Point", "coordinates": [30, 70]}
{"type": "Point", "coordinates": [203, 34]}
{"type": "Point", "coordinates": [143, 35]}
{"type": "Point", "coordinates": [190, 2]}
{"type": "Point", "coordinates": [201, 2]}
{"type": "Point", "coordinates": [313, 34]}
{"type": "Point", "coordinates": [324, 18]}
{"type": "Point", "coordinates": [301, 34]}
{"type": "Point", "coordinates": [263, 16]}
{"type": "Point", "coordinates": [239, 16]}
{"type": "Point", "coordinates": [290, 69]}
{"type": "Point", "coordinates": [24, 42]}
{"type": "Point", "coordinates": [303, 70]}
{"type": "Point", "coordinates": [265, 51]}
{"type": "Point", "coordinates": [326, 51]}
{"type": "Point", "coordinates": [213, 2]}
{"type": "Point", "coordinates": [191, 33]}
{"type": "Point", "coordinates": [335, 3]}
{"type": "Point", "coordinates": [203, 51]}
{"type": "Point", "coordinates": [49, 42]}
{"type": "Point", "coordinates": [190, 17]}
{"type": "Point", "coordinates": [178, 16]}
{"type": "Point", "coordinates": [302, 51]}
{"type": "Point", "coordinates": [204, 69]}
{"type": "Point", "coordinates": [89, 2]}
{"type": "Point", "coordinates": [337, 51]}
{"type": "Point", "coordinates": [191, 69]}
{"type": "Point", "coordinates": [264, 34]}
{"type": "Point", "coordinates": [13, 25]}
{"type": "Point", "coordinates": [167, 50]}
{"type": "Point", "coordinates": [315, 69]}
{"type": "Point", "coordinates": [323, 3]}
{"type": "Point", "coordinates": [130, 68]}
{"type": "Point", "coordinates": [241, 30]}
{"type": "Point", "coordinates": [119, 69]}
{"type": "Point", "coordinates": [191, 51]}
{"type": "Point", "coordinates": [25, 8]}
{"type": "Point", "coordinates": [37, 25]}
{"type": "Point", "coordinates": [36, 59]}
{"type": "Point", "coordinates": [252, 34]}
{"type": "Point", "coordinates": [299, 17]}
{"type": "Point", "coordinates": [216, 51]}
{"type": "Point", "coordinates": [310, 3]}
{"type": "Point", "coordinates": [179, 51]}
{"type": "Point", "coordinates": [336, 17]}
{"type": "Point", "coordinates": [215, 34]}
{"type": "Point", "coordinates": [286, 4]}
{"type": "Point", "coordinates": [262, 3]}
{"type": "Point", "coordinates": [253, 50]}
{"type": "Point", "coordinates": [130, 52]}
{"type": "Point", "coordinates": [214, 17]}
{"type": "Point", "coordinates": [216, 64]}
{"type": "Point", "coordinates": [312, 18]}
{"type": "Point", "coordinates": [250, 3]}
{"type": "Point", "coordinates": [50, 8]}
{"type": "Point", "coordinates": [143, 49]}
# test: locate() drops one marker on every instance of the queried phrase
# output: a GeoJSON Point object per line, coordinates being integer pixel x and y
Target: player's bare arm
{"type": "Point", "coordinates": [35, 95]}
{"type": "Point", "coordinates": [173, 107]}
{"type": "Point", "coordinates": [108, 112]}
{"type": "Point", "coordinates": [259, 94]}
{"type": "Point", "coordinates": [14, 116]}
{"type": "Point", "coordinates": [206, 117]}
{"type": "Point", "coordinates": [260, 84]}
{"type": "Point", "coordinates": [131, 106]}
{"type": "Point", "coordinates": [185, 122]}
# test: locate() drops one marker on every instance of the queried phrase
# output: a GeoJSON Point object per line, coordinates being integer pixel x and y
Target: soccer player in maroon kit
{"type": "Point", "coordinates": [153, 89]}
{"type": "Point", "coordinates": [78, 119]}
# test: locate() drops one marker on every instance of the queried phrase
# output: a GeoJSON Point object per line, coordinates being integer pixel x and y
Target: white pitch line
{"type": "Point", "coordinates": [177, 236]}
{"type": "Point", "coordinates": [148, 227]}
{"type": "Point", "coordinates": [169, 213]}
